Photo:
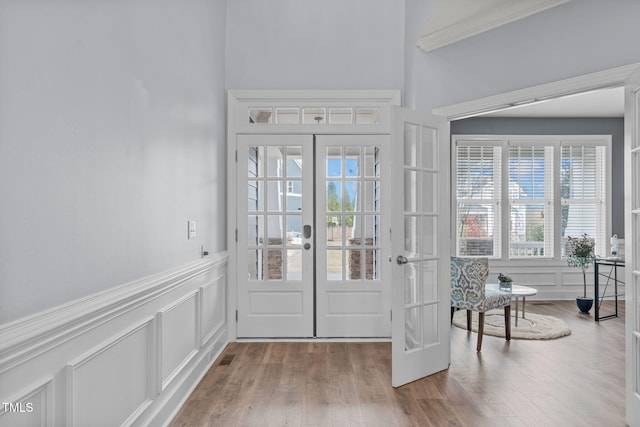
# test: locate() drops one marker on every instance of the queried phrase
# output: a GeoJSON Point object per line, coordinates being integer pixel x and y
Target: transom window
{"type": "Point", "coordinates": [522, 196]}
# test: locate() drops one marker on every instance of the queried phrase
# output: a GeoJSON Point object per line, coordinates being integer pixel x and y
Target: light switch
{"type": "Point", "coordinates": [191, 230]}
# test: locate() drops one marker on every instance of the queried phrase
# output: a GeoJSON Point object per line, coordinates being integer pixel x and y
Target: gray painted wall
{"type": "Point", "coordinates": [328, 44]}
{"type": "Point", "coordinates": [573, 39]}
{"type": "Point", "coordinates": [112, 136]}
{"type": "Point", "coordinates": [562, 126]}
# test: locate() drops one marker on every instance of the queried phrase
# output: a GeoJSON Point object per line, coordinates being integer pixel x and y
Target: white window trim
{"type": "Point", "coordinates": [505, 141]}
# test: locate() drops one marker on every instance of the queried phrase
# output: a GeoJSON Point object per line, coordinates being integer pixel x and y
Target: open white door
{"type": "Point", "coordinates": [632, 237]}
{"type": "Point", "coordinates": [420, 246]}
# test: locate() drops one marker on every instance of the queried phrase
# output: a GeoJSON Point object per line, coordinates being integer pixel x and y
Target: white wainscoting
{"type": "Point", "coordinates": [127, 356]}
{"type": "Point", "coordinates": [554, 280]}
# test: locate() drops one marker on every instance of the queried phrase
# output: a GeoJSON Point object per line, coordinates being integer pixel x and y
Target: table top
{"type": "Point", "coordinates": [517, 290]}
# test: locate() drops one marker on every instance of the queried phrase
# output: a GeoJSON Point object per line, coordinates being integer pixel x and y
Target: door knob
{"type": "Point", "coordinates": [402, 260]}
{"type": "Point", "coordinates": [307, 246]}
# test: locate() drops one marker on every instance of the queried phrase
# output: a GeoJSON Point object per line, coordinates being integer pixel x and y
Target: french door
{"type": "Point", "coordinates": [311, 236]}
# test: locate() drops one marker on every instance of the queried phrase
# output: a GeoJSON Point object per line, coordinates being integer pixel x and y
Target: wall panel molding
{"type": "Point", "coordinates": [129, 356]}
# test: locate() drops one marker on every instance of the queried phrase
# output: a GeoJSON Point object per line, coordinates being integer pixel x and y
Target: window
{"type": "Point", "coordinates": [522, 196]}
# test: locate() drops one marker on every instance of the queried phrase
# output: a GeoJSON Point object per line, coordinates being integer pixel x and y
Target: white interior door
{"type": "Point", "coordinates": [352, 213]}
{"type": "Point", "coordinates": [275, 235]}
{"type": "Point", "coordinates": [420, 242]}
{"type": "Point", "coordinates": [632, 239]}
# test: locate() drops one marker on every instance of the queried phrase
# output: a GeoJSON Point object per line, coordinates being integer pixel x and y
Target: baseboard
{"type": "Point", "coordinates": [127, 356]}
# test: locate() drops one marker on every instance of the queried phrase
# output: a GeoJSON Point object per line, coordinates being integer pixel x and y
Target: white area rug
{"type": "Point", "coordinates": [532, 327]}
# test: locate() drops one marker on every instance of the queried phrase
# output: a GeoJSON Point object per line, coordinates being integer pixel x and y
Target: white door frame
{"type": "Point", "coordinates": [241, 104]}
{"type": "Point", "coordinates": [614, 77]}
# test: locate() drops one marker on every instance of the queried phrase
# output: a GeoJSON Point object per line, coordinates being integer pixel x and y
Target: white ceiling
{"type": "Point", "coordinates": [598, 103]}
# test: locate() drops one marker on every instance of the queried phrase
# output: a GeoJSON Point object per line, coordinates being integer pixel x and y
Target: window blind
{"type": "Point", "coordinates": [478, 175]}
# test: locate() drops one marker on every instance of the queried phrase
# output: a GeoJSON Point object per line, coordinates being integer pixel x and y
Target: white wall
{"type": "Point", "coordinates": [328, 44]}
{"type": "Point", "coordinates": [112, 136]}
{"type": "Point", "coordinates": [569, 40]}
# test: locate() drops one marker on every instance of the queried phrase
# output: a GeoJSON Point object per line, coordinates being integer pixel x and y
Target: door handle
{"type": "Point", "coordinates": [401, 260]}
{"type": "Point", "coordinates": [306, 231]}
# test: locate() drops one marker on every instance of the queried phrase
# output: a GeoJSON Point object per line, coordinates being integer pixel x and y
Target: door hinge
{"type": "Point", "coordinates": [391, 315]}
{"type": "Point", "coordinates": [236, 315]}
{"type": "Point", "coordinates": [236, 156]}
{"type": "Point", "coordinates": [236, 235]}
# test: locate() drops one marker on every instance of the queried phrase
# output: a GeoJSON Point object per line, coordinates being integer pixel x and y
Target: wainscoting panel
{"type": "Point", "coordinates": [213, 309]}
{"type": "Point", "coordinates": [179, 335]}
{"type": "Point", "coordinates": [127, 356]}
{"type": "Point", "coordinates": [30, 408]}
{"type": "Point", "coordinates": [117, 375]}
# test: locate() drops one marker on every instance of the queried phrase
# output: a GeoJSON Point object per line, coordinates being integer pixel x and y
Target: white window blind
{"type": "Point", "coordinates": [531, 201]}
{"type": "Point", "coordinates": [583, 194]}
{"type": "Point", "coordinates": [478, 175]}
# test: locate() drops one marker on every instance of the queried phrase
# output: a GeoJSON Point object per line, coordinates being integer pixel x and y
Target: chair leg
{"type": "Point", "coordinates": [480, 330]}
{"type": "Point", "coordinates": [507, 322]}
{"type": "Point", "coordinates": [468, 320]}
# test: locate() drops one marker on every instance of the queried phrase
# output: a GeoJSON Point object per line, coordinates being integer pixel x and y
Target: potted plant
{"type": "Point", "coordinates": [580, 254]}
{"type": "Point", "coordinates": [505, 282]}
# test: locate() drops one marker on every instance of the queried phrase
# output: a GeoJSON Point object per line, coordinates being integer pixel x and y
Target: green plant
{"type": "Point", "coordinates": [580, 254]}
{"type": "Point", "coordinates": [505, 279]}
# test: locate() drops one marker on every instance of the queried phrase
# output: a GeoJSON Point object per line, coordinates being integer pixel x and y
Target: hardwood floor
{"type": "Point", "coordinates": [576, 380]}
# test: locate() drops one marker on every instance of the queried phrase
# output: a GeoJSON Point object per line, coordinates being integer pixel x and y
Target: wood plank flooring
{"type": "Point", "coordinates": [572, 381]}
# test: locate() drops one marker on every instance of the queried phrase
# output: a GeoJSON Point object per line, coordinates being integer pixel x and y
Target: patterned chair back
{"type": "Point", "coordinates": [468, 277]}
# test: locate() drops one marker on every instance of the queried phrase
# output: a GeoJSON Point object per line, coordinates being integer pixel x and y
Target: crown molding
{"type": "Point", "coordinates": [491, 17]}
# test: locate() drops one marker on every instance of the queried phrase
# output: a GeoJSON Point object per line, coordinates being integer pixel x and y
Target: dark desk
{"type": "Point", "coordinates": [612, 276]}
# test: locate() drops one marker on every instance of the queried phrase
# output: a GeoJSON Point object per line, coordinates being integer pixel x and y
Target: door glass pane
{"type": "Point", "coordinates": [255, 196]}
{"type": "Point", "coordinates": [294, 230]}
{"type": "Point", "coordinates": [410, 145]}
{"type": "Point", "coordinates": [429, 192]}
{"type": "Point", "coordinates": [371, 196]}
{"type": "Point", "coordinates": [334, 265]}
{"type": "Point", "coordinates": [334, 161]}
{"type": "Point", "coordinates": [275, 199]}
{"type": "Point", "coordinates": [274, 161]}
{"type": "Point", "coordinates": [366, 116]}
{"type": "Point", "coordinates": [352, 161]}
{"type": "Point", "coordinates": [334, 230]}
{"type": "Point", "coordinates": [429, 235]}
{"type": "Point", "coordinates": [254, 264]}
{"type": "Point", "coordinates": [355, 260]}
{"type": "Point", "coordinates": [275, 230]}
{"type": "Point", "coordinates": [255, 230]}
{"type": "Point", "coordinates": [410, 191]}
{"type": "Point", "coordinates": [294, 264]}
{"type": "Point", "coordinates": [334, 196]}
{"type": "Point", "coordinates": [371, 230]}
{"type": "Point", "coordinates": [371, 162]}
{"type": "Point", "coordinates": [352, 201]}
{"type": "Point", "coordinates": [273, 264]}
{"type": "Point", "coordinates": [413, 328]}
{"type": "Point", "coordinates": [410, 236]}
{"type": "Point", "coordinates": [430, 281]}
{"type": "Point", "coordinates": [294, 196]}
{"type": "Point", "coordinates": [294, 161]}
{"type": "Point", "coordinates": [411, 289]}
{"type": "Point", "coordinates": [255, 162]}
{"type": "Point", "coordinates": [428, 148]}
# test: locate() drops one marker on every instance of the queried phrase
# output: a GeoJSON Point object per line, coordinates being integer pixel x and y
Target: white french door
{"type": "Point", "coordinates": [421, 246]}
{"type": "Point", "coordinates": [632, 249]}
{"type": "Point", "coordinates": [311, 240]}
{"type": "Point", "coordinates": [275, 257]}
{"type": "Point", "coordinates": [352, 246]}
